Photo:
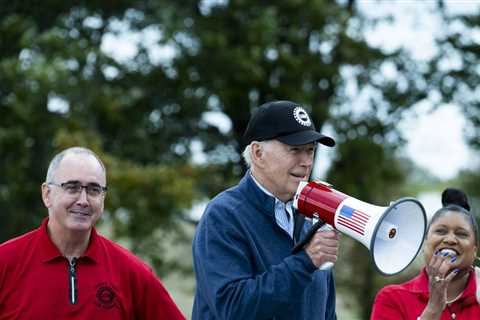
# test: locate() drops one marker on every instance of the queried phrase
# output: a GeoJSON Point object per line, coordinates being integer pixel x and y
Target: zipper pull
{"type": "Point", "coordinates": [72, 279]}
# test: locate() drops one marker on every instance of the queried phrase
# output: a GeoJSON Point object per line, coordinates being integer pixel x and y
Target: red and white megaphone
{"type": "Point", "coordinates": [394, 234]}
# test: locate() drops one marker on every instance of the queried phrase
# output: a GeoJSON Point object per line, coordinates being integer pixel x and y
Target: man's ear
{"type": "Point", "coordinates": [256, 153]}
{"type": "Point", "coordinates": [46, 194]}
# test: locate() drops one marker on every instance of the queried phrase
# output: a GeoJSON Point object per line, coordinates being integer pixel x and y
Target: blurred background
{"type": "Point", "coordinates": [163, 90]}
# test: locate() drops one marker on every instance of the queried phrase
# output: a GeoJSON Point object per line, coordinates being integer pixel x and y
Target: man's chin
{"type": "Point", "coordinates": [81, 223]}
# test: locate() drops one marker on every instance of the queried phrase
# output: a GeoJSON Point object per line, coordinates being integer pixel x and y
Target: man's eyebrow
{"type": "Point", "coordinates": [72, 181]}
{"type": "Point", "coordinates": [77, 181]}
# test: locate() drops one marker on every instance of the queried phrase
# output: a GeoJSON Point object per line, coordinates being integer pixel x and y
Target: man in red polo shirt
{"type": "Point", "coordinates": [64, 269]}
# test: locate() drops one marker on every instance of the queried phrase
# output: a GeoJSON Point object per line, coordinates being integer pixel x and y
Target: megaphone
{"type": "Point", "coordinates": [393, 235]}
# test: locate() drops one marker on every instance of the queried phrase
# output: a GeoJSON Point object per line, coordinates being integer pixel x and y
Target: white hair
{"type": "Point", "coordinates": [52, 168]}
{"type": "Point", "coordinates": [246, 154]}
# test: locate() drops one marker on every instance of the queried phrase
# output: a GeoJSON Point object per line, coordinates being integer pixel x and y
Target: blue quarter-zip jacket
{"type": "Point", "coordinates": [244, 267]}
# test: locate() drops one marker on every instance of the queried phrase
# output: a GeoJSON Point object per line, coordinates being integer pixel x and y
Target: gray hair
{"type": "Point", "coordinates": [53, 166]}
{"type": "Point", "coordinates": [246, 154]}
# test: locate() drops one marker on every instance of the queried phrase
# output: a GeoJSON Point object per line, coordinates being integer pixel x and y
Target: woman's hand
{"type": "Point", "coordinates": [439, 278]}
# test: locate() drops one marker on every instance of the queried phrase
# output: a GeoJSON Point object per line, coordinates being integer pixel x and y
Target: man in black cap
{"type": "Point", "coordinates": [242, 247]}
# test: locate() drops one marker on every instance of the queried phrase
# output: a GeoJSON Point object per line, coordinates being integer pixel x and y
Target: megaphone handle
{"type": "Point", "coordinates": [299, 246]}
{"type": "Point", "coordinates": [326, 265]}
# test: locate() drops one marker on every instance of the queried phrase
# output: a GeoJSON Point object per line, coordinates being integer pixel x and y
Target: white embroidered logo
{"type": "Point", "coordinates": [302, 116]}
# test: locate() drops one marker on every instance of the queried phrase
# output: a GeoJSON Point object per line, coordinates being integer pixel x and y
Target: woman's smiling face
{"type": "Point", "coordinates": [452, 231]}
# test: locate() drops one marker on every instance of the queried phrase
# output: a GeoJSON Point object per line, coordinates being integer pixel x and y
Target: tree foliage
{"type": "Point", "coordinates": [56, 92]}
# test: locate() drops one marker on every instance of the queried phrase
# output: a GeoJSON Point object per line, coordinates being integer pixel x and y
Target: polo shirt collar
{"type": "Point", "coordinates": [48, 251]}
{"type": "Point", "coordinates": [419, 286]}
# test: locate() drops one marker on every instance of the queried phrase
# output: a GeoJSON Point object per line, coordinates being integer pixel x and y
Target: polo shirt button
{"type": "Point", "coordinates": [454, 316]}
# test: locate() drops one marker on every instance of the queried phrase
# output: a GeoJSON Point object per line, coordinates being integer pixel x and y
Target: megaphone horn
{"type": "Point", "coordinates": [393, 235]}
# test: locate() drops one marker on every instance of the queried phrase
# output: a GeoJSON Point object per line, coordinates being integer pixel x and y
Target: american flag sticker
{"type": "Point", "coordinates": [353, 219]}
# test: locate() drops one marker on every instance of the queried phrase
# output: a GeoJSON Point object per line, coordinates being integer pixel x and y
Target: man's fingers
{"type": "Point", "coordinates": [326, 235]}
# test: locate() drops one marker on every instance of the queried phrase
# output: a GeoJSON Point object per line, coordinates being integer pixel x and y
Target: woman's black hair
{"type": "Point", "coordinates": [456, 200]}
{"type": "Point", "coordinates": [455, 196]}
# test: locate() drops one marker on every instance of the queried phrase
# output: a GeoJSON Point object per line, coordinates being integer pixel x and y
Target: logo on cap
{"type": "Point", "coordinates": [302, 116]}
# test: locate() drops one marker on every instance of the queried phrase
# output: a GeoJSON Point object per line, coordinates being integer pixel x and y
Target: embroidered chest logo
{"type": "Point", "coordinates": [302, 116]}
{"type": "Point", "coordinates": [105, 296]}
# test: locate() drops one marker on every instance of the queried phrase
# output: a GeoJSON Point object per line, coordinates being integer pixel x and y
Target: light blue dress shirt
{"type": "Point", "coordinates": [283, 211]}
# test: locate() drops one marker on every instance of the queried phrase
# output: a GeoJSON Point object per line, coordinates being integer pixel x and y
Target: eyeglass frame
{"type": "Point", "coordinates": [78, 183]}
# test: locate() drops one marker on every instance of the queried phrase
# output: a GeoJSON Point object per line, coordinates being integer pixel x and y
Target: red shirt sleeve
{"type": "Point", "coordinates": [155, 302]}
{"type": "Point", "coordinates": [385, 306]}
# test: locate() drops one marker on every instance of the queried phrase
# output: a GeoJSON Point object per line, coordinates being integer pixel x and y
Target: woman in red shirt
{"type": "Point", "coordinates": [446, 288]}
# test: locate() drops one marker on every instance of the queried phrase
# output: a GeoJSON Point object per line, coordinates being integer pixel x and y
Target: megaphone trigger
{"type": "Point", "coordinates": [315, 227]}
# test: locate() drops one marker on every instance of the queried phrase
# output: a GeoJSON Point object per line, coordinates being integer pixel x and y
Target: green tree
{"type": "Point", "coordinates": [56, 90]}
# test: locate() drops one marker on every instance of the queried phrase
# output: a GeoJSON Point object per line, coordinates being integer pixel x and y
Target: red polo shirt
{"type": "Point", "coordinates": [111, 283]}
{"type": "Point", "coordinates": [408, 300]}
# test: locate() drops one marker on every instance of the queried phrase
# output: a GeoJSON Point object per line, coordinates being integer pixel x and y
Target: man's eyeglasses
{"type": "Point", "coordinates": [75, 188]}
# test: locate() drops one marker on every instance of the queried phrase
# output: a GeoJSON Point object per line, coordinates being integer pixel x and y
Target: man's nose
{"type": "Point", "coordinates": [83, 197]}
{"type": "Point", "coordinates": [307, 158]}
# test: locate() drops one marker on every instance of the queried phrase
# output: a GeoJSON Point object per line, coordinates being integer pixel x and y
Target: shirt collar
{"type": "Point", "coordinates": [48, 250]}
{"type": "Point", "coordinates": [419, 285]}
{"type": "Point", "coordinates": [279, 210]}
{"type": "Point", "coordinates": [261, 187]}
{"type": "Point", "coordinates": [278, 203]}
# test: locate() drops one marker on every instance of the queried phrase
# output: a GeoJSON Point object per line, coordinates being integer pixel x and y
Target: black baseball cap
{"type": "Point", "coordinates": [285, 121]}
